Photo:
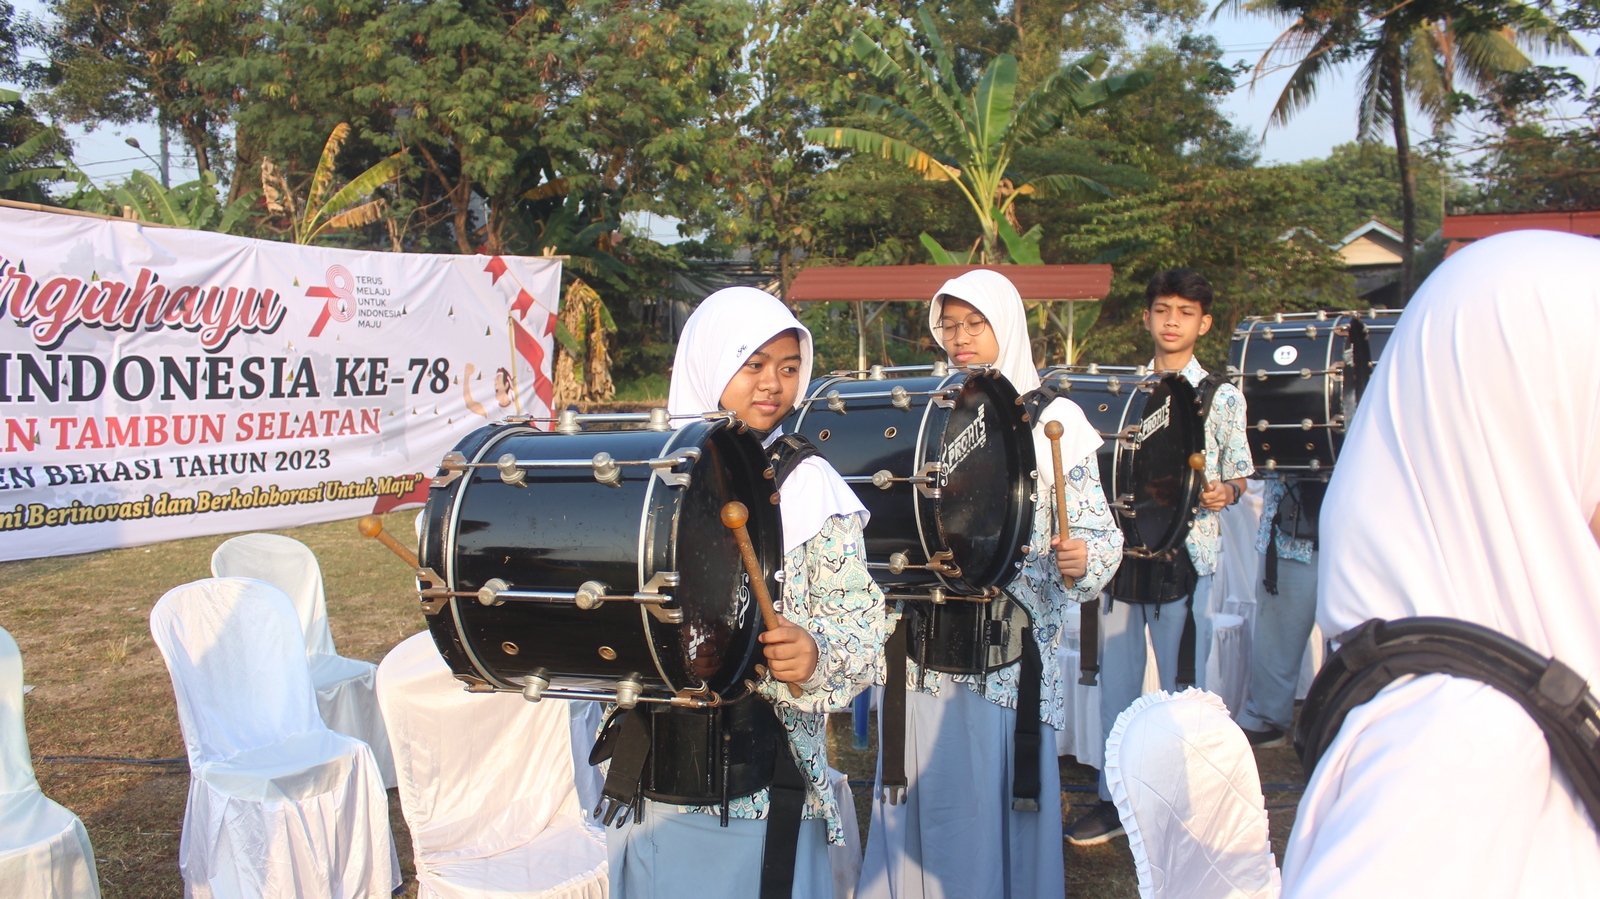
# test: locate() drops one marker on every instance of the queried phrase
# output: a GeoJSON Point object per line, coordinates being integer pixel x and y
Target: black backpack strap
{"type": "Point", "coordinates": [1376, 653]}
{"type": "Point", "coordinates": [1037, 400]}
{"type": "Point", "coordinates": [785, 455]}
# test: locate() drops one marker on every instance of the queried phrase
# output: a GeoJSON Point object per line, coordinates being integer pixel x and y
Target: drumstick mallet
{"type": "Point", "coordinates": [1197, 461]}
{"type": "Point", "coordinates": [1053, 430]}
{"type": "Point", "coordinates": [372, 526]}
{"type": "Point", "coordinates": [734, 516]}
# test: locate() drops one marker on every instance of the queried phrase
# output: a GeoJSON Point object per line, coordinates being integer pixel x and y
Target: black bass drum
{"type": "Point", "coordinates": [593, 564]}
{"type": "Point", "coordinates": [1302, 375]}
{"type": "Point", "coordinates": [943, 462]}
{"type": "Point", "coordinates": [1151, 425]}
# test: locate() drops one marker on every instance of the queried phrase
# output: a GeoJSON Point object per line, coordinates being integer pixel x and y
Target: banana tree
{"type": "Point", "coordinates": [322, 213]}
{"type": "Point", "coordinates": [969, 138]}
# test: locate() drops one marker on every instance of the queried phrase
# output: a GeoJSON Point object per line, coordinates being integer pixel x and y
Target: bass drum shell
{"type": "Point", "coordinates": [1150, 426]}
{"type": "Point", "coordinates": [1302, 375]}
{"type": "Point", "coordinates": [564, 528]}
{"type": "Point", "coordinates": [980, 515]}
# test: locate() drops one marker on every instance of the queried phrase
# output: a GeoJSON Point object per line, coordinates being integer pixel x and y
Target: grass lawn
{"type": "Point", "coordinates": [101, 690]}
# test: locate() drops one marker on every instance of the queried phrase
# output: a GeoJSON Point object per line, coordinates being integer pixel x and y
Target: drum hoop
{"type": "Point", "coordinates": [450, 557]}
{"type": "Point", "coordinates": [922, 460]}
{"type": "Point", "coordinates": [646, 621]}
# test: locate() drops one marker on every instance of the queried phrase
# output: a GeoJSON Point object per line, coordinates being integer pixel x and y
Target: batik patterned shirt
{"type": "Point", "coordinates": [1227, 457]}
{"type": "Point", "coordinates": [1289, 547]}
{"type": "Point", "coordinates": [827, 592]}
{"type": "Point", "coordinates": [1041, 590]}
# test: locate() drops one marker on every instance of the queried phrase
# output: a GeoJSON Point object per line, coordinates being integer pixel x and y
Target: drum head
{"type": "Point", "coordinates": [1156, 472]}
{"type": "Point", "coordinates": [985, 513]}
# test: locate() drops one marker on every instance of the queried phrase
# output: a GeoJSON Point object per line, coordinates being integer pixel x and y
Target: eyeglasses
{"type": "Point", "coordinates": [973, 325]}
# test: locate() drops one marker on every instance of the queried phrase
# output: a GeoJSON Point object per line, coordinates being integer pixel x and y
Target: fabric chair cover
{"type": "Point", "coordinates": [845, 861]}
{"type": "Point", "coordinates": [1185, 783]}
{"type": "Point", "coordinates": [486, 786]}
{"type": "Point", "coordinates": [44, 850]}
{"type": "Point", "coordinates": [279, 805]}
{"type": "Point", "coordinates": [1228, 667]}
{"type": "Point", "coordinates": [1233, 588]}
{"type": "Point", "coordinates": [346, 688]}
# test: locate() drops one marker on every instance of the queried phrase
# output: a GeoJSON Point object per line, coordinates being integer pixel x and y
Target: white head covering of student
{"type": "Point", "coordinates": [1464, 490]}
{"type": "Point", "coordinates": [725, 329]}
{"type": "Point", "coordinates": [993, 294]}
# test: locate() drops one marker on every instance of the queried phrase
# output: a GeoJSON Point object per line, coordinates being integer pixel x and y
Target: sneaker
{"type": "Point", "coordinates": [1267, 739]}
{"type": "Point", "coordinates": [1098, 826]}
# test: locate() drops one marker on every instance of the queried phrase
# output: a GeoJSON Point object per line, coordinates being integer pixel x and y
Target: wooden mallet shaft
{"type": "Point", "coordinates": [1053, 431]}
{"type": "Point", "coordinates": [734, 517]}
{"type": "Point", "coordinates": [372, 526]}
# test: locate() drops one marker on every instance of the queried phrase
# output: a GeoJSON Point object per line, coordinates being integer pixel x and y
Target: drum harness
{"type": "Point", "coordinates": [1025, 781]}
{"type": "Point", "coordinates": [1376, 653]}
{"type": "Point", "coordinates": [638, 741]}
{"type": "Point", "coordinates": [1158, 581]}
{"type": "Point", "coordinates": [1302, 500]}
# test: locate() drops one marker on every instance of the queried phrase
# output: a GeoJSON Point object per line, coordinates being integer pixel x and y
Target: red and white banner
{"type": "Point", "coordinates": [158, 383]}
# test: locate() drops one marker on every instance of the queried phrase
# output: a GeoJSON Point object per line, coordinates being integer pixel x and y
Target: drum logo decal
{"type": "Point", "coordinates": [1156, 420]}
{"type": "Point", "coordinates": [972, 437]}
{"type": "Point", "coordinates": [741, 597]}
{"type": "Point", "coordinates": [1285, 354]}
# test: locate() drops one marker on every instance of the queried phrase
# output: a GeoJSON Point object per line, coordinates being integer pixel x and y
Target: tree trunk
{"type": "Point", "coordinates": [1408, 182]}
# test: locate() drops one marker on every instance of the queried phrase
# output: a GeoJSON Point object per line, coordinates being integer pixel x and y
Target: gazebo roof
{"type": "Point", "coordinates": [918, 282]}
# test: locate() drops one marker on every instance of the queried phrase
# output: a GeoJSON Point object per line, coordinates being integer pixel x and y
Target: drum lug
{"type": "Point", "coordinates": [899, 397]}
{"type": "Point", "coordinates": [940, 369]}
{"type": "Point", "coordinates": [606, 470]}
{"type": "Point", "coordinates": [628, 690]}
{"type": "Point", "coordinates": [875, 373]}
{"type": "Point", "coordinates": [660, 420]}
{"type": "Point", "coordinates": [455, 464]}
{"type": "Point", "coordinates": [590, 595]}
{"type": "Point", "coordinates": [898, 562]}
{"type": "Point", "coordinates": [489, 593]}
{"type": "Point", "coordinates": [1114, 385]}
{"type": "Point", "coordinates": [510, 473]}
{"type": "Point", "coordinates": [835, 402]}
{"type": "Point", "coordinates": [567, 422]}
{"type": "Point", "coordinates": [534, 685]}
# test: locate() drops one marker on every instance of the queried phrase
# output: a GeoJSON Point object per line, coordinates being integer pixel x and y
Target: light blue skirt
{"type": "Point", "coordinates": [689, 855]}
{"type": "Point", "coordinates": [955, 835]}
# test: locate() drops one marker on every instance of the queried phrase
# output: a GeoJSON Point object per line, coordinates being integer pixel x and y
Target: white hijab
{"type": "Point", "coordinates": [719, 337]}
{"type": "Point", "coordinates": [1464, 490]}
{"type": "Point", "coordinates": [993, 295]}
{"type": "Point", "coordinates": [1472, 468]}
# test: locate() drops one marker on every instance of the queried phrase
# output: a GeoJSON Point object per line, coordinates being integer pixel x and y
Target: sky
{"type": "Point", "coordinates": [1311, 134]}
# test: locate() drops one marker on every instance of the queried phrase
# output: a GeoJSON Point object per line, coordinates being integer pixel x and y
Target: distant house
{"type": "Point", "coordinates": [1372, 254]}
{"type": "Point", "coordinates": [1461, 230]}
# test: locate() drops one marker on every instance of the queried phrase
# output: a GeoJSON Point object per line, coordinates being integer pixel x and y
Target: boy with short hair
{"type": "Point", "coordinates": [1177, 313]}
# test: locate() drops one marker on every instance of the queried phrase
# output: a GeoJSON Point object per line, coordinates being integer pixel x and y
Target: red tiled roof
{"type": "Point", "coordinates": [918, 282]}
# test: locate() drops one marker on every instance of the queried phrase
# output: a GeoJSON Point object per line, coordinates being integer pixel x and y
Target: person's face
{"type": "Point", "coordinates": [764, 390]}
{"type": "Point", "coordinates": [1175, 323]}
{"type": "Point", "coordinates": [958, 321]}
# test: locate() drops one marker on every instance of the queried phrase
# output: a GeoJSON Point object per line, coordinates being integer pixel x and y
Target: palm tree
{"type": "Point", "coordinates": [969, 138]}
{"type": "Point", "coordinates": [1422, 50]}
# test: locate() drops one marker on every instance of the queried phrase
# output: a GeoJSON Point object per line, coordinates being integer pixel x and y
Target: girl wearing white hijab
{"type": "Point", "coordinates": [743, 351]}
{"type": "Point", "coordinates": [1467, 488]}
{"type": "Point", "coordinates": [955, 834]}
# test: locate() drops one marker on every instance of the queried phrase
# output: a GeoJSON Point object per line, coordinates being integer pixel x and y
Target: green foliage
{"type": "Point", "coordinates": [1230, 227]}
{"type": "Point", "coordinates": [1538, 159]}
{"type": "Point", "coordinates": [194, 204]}
{"type": "Point", "coordinates": [1360, 181]}
{"type": "Point", "coordinates": [969, 136]}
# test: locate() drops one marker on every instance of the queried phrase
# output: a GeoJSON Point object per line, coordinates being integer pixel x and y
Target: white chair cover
{"type": "Point", "coordinates": [346, 688]}
{"type": "Point", "coordinates": [1228, 667]}
{"type": "Point", "coordinates": [279, 805]}
{"type": "Point", "coordinates": [1186, 787]}
{"type": "Point", "coordinates": [1083, 738]}
{"type": "Point", "coordinates": [486, 786]}
{"type": "Point", "coordinates": [44, 850]}
{"type": "Point", "coordinates": [845, 861]}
